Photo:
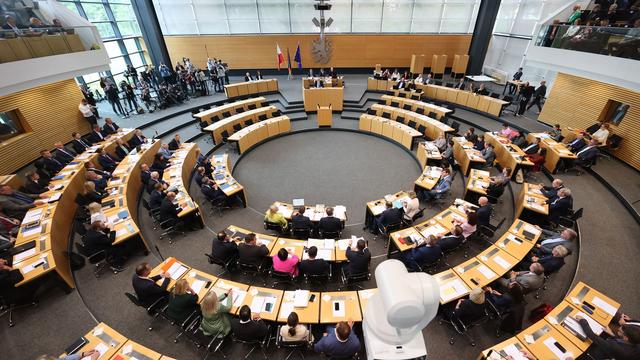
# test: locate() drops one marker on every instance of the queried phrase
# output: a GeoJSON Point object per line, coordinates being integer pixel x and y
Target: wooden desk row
{"type": "Point", "coordinates": [313, 212]}
{"type": "Point", "coordinates": [466, 156]}
{"type": "Point", "coordinates": [23, 48]}
{"type": "Point", "coordinates": [178, 174]}
{"type": "Point", "coordinates": [52, 242]}
{"type": "Point", "coordinates": [323, 97]}
{"type": "Point", "coordinates": [428, 152]}
{"type": "Point", "coordinates": [484, 104]}
{"type": "Point", "coordinates": [374, 84]}
{"type": "Point", "coordinates": [477, 185]}
{"type": "Point", "coordinates": [390, 129]}
{"type": "Point", "coordinates": [251, 87]}
{"type": "Point", "coordinates": [414, 105]}
{"type": "Point", "coordinates": [554, 337]}
{"type": "Point", "coordinates": [272, 304]}
{"type": "Point", "coordinates": [255, 133]}
{"type": "Point", "coordinates": [507, 154]}
{"type": "Point", "coordinates": [407, 94]}
{"type": "Point", "coordinates": [217, 128]}
{"type": "Point", "coordinates": [434, 127]}
{"type": "Point", "coordinates": [327, 81]}
{"type": "Point", "coordinates": [531, 205]}
{"type": "Point", "coordinates": [556, 151]}
{"type": "Point", "coordinates": [114, 346]}
{"type": "Point", "coordinates": [237, 107]}
{"type": "Point", "coordinates": [429, 178]}
{"type": "Point", "coordinates": [223, 178]}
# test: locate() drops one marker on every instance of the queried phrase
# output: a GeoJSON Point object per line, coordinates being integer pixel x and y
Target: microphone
{"type": "Point", "coordinates": [159, 253]}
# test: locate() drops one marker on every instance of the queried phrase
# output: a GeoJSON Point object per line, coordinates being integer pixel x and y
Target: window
{"type": "Point", "coordinates": [10, 124]}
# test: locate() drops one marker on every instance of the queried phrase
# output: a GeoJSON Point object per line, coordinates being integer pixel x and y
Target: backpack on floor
{"type": "Point", "coordinates": [540, 312]}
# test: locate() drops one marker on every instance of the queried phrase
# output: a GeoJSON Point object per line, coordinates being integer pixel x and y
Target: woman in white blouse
{"type": "Point", "coordinates": [97, 214]}
{"type": "Point", "coordinates": [411, 206]}
{"type": "Point", "coordinates": [602, 134]}
{"type": "Point", "coordinates": [294, 331]}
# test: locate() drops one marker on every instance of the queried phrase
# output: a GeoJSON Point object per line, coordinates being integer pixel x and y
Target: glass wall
{"type": "Point", "coordinates": [196, 17]}
{"type": "Point", "coordinates": [120, 33]}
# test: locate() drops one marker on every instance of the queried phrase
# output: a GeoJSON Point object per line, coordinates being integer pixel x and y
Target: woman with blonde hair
{"type": "Point", "coordinates": [215, 314]}
{"type": "Point", "coordinates": [183, 301]}
{"type": "Point", "coordinates": [472, 309]}
{"type": "Point", "coordinates": [95, 210]}
{"type": "Point", "coordinates": [91, 194]}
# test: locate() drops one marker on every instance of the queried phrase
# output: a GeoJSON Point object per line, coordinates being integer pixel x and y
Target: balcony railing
{"type": "Point", "coordinates": [23, 44]}
{"type": "Point", "coordinates": [613, 41]}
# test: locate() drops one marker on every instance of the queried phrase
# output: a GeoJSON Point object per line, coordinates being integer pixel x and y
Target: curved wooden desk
{"type": "Point", "coordinates": [391, 129]}
{"type": "Point", "coordinates": [541, 339]}
{"type": "Point", "coordinates": [507, 153]}
{"type": "Point", "coordinates": [227, 124]}
{"type": "Point", "coordinates": [485, 104]}
{"type": "Point", "coordinates": [414, 105]}
{"type": "Point", "coordinates": [434, 127]}
{"type": "Point", "coordinates": [178, 175]}
{"type": "Point", "coordinates": [428, 153]}
{"type": "Point", "coordinates": [255, 133]}
{"type": "Point", "coordinates": [223, 178]}
{"type": "Point", "coordinates": [216, 113]}
{"type": "Point", "coordinates": [466, 155]}
{"type": "Point", "coordinates": [251, 87]}
{"type": "Point", "coordinates": [556, 151]}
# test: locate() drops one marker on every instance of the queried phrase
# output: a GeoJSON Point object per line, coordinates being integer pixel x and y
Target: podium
{"type": "Point", "coordinates": [325, 117]}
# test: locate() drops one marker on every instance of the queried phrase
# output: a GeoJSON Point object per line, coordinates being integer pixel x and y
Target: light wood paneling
{"type": "Point", "coordinates": [349, 51]}
{"type": "Point", "coordinates": [577, 102]}
{"type": "Point", "coordinates": [51, 111]}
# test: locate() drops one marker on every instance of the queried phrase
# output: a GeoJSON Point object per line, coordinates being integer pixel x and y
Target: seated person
{"type": "Point", "coordinates": [92, 194]}
{"type": "Point", "coordinates": [16, 204]}
{"type": "Point", "coordinates": [286, 262]}
{"type": "Point", "coordinates": [299, 221]}
{"type": "Point", "coordinates": [551, 263]}
{"type": "Point", "coordinates": [199, 175]}
{"type": "Point", "coordinates": [602, 134]}
{"type": "Point", "coordinates": [510, 302]}
{"type": "Point", "coordinates": [550, 192]}
{"type": "Point", "coordinates": [168, 153]}
{"type": "Point", "coordinates": [441, 142]}
{"type": "Point", "coordinates": [560, 205]}
{"type": "Point", "coordinates": [484, 211]}
{"type": "Point", "coordinates": [339, 341]}
{"type": "Point", "coordinates": [427, 253]}
{"type": "Point", "coordinates": [122, 150]}
{"type": "Point", "coordinates": [479, 144]}
{"type": "Point", "coordinates": [533, 147]}
{"type": "Point", "coordinates": [389, 216]}
{"type": "Point", "coordinates": [215, 313]}
{"type": "Point", "coordinates": [156, 197]}
{"type": "Point", "coordinates": [106, 161]}
{"type": "Point", "coordinates": [92, 354]}
{"type": "Point", "coordinates": [8, 226]}
{"type": "Point", "coordinates": [482, 90]}
{"type": "Point", "coordinates": [9, 277]}
{"type": "Point", "coordinates": [223, 247]}
{"type": "Point", "coordinates": [506, 131]}
{"type": "Point", "coordinates": [95, 210]}
{"type": "Point", "coordinates": [440, 189]}
{"type": "Point", "coordinates": [556, 132]}
{"type": "Point", "coordinates": [212, 192]}
{"type": "Point", "coordinates": [469, 225]}
{"type": "Point", "coordinates": [251, 253]}
{"type": "Point", "coordinates": [99, 181]}
{"type": "Point", "coordinates": [447, 154]}
{"type": "Point", "coordinates": [577, 144]}
{"type": "Point", "coordinates": [293, 330]}
{"type": "Point", "coordinates": [588, 154]}
{"type": "Point", "coordinates": [519, 140]}
{"type": "Point", "coordinates": [159, 164]}
{"type": "Point", "coordinates": [90, 166]}
{"type": "Point", "coordinates": [145, 173]}
{"type": "Point", "coordinates": [329, 223]}
{"type": "Point", "coordinates": [175, 143]}
{"type": "Point", "coordinates": [551, 239]}
{"type": "Point", "coordinates": [471, 309]}
{"type": "Point", "coordinates": [156, 179]}
{"type": "Point", "coordinates": [498, 183]}
{"type": "Point", "coordinates": [488, 154]}
{"type": "Point", "coordinates": [450, 242]}
{"type": "Point", "coordinates": [146, 288]}
{"type": "Point", "coordinates": [168, 209]}
{"type": "Point", "coordinates": [183, 301]}
{"type": "Point", "coordinates": [314, 266]}
{"type": "Point", "coordinates": [109, 127]}
{"type": "Point", "coordinates": [359, 258]}
{"type": "Point", "coordinates": [470, 135]}
{"type": "Point", "coordinates": [247, 327]}
{"type": "Point", "coordinates": [33, 185]}
{"type": "Point", "coordinates": [530, 280]}
{"type": "Point", "coordinates": [137, 139]}
{"type": "Point", "coordinates": [96, 134]}
{"type": "Point", "coordinates": [63, 154]}
{"type": "Point", "coordinates": [410, 207]}
{"type": "Point", "coordinates": [79, 144]}
{"type": "Point", "coordinates": [100, 238]}
{"type": "Point", "coordinates": [624, 345]}
{"type": "Point", "coordinates": [273, 216]}
{"type": "Point", "coordinates": [52, 164]}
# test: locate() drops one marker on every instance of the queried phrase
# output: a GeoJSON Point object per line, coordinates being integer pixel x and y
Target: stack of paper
{"type": "Point", "coordinates": [340, 212]}
{"type": "Point", "coordinates": [285, 211]}
{"type": "Point", "coordinates": [197, 286]}
{"type": "Point", "coordinates": [177, 270]}
{"type": "Point", "coordinates": [452, 289]}
{"type": "Point", "coordinates": [301, 298]}
{"type": "Point", "coordinates": [257, 304]}
{"type": "Point", "coordinates": [343, 244]}
{"type": "Point", "coordinates": [378, 209]}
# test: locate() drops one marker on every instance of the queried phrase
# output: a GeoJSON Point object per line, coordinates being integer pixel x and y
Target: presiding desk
{"type": "Point", "coordinates": [253, 134]}
{"type": "Point", "coordinates": [313, 212]}
{"type": "Point", "coordinates": [416, 106]}
{"type": "Point", "coordinates": [556, 151]}
{"type": "Point", "coordinates": [226, 110]}
{"type": "Point", "coordinates": [433, 127]}
{"type": "Point", "coordinates": [223, 178]}
{"type": "Point", "coordinates": [314, 97]}
{"type": "Point", "coordinates": [327, 81]}
{"type": "Point", "coordinates": [481, 103]}
{"type": "Point", "coordinates": [507, 154]}
{"type": "Point", "coordinates": [391, 129]}
{"type": "Point", "coordinates": [466, 156]}
{"type": "Point", "coordinates": [554, 337]}
{"type": "Point", "coordinates": [227, 124]}
{"type": "Point", "coordinates": [251, 88]}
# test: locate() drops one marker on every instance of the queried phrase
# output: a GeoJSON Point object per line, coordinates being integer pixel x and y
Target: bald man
{"type": "Point", "coordinates": [484, 211]}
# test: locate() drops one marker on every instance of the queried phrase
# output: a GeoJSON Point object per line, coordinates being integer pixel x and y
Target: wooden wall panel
{"type": "Point", "coordinates": [577, 102]}
{"type": "Point", "coordinates": [349, 51]}
{"type": "Point", "coordinates": [51, 111]}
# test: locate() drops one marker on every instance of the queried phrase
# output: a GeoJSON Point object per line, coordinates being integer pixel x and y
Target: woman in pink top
{"type": "Point", "coordinates": [469, 226]}
{"type": "Point", "coordinates": [285, 262]}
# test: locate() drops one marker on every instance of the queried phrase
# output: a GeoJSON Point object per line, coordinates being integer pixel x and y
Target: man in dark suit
{"type": "Point", "coordinates": [15, 204]}
{"type": "Point", "coordinates": [137, 139]}
{"type": "Point", "coordinates": [248, 77]}
{"type": "Point", "coordinates": [329, 223]}
{"type": "Point", "coordinates": [106, 161]}
{"type": "Point", "coordinates": [560, 206]}
{"type": "Point", "coordinates": [246, 328]}
{"type": "Point", "coordinates": [146, 288]}
{"type": "Point", "coordinates": [526, 91]}
{"type": "Point", "coordinates": [427, 253]}
{"type": "Point", "coordinates": [551, 262]}
{"type": "Point", "coordinates": [96, 134]}
{"type": "Point", "coordinates": [359, 259]}
{"type": "Point", "coordinates": [156, 197]}
{"type": "Point", "coordinates": [484, 211]}
{"type": "Point", "coordinates": [452, 241]}
{"type": "Point", "coordinates": [533, 147]}
{"type": "Point", "coordinates": [32, 184]}
{"type": "Point", "coordinates": [340, 342]}
{"type": "Point", "coordinates": [588, 154]}
{"type": "Point", "coordinates": [79, 144]}
{"type": "Point", "coordinates": [299, 221]}
{"type": "Point", "coordinates": [333, 73]}
{"type": "Point", "coordinates": [175, 143]}
{"type": "Point", "coordinates": [51, 164]}
{"type": "Point", "coordinates": [625, 345]}
{"type": "Point", "coordinates": [577, 144]}
{"type": "Point", "coordinates": [199, 175]}
{"type": "Point", "coordinates": [109, 127]}
{"type": "Point", "coordinates": [550, 192]}
{"type": "Point", "coordinates": [100, 238]}
{"type": "Point", "coordinates": [250, 252]}
{"type": "Point", "coordinates": [538, 95]}
{"type": "Point", "coordinates": [99, 181]}
{"type": "Point", "coordinates": [145, 173]}
{"type": "Point", "coordinates": [552, 239]}
{"type": "Point", "coordinates": [155, 179]}
{"type": "Point", "coordinates": [63, 154]}
{"type": "Point", "coordinates": [313, 266]}
{"type": "Point", "coordinates": [211, 191]}
{"type": "Point", "coordinates": [122, 150]}
{"type": "Point", "coordinates": [482, 90]}
{"type": "Point", "coordinates": [388, 217]}
{"type": "Point", "coordinates": [224, 248]}
{"type": "Point", "coordinates": [516, 76]}
{"type": "Point", "coordinates": [169, 210]}
{"type": "Point", "coordinates": [460, 84]}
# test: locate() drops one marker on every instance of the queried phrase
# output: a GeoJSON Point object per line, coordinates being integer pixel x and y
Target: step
{"type": "Point", "coordinates": [351, 115]}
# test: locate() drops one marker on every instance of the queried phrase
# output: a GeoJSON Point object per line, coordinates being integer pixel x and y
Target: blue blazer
{"type": "Point", "coordinates": [330, 346]}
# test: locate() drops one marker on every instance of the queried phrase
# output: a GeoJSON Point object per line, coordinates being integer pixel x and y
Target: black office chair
{"type": "Point", "coordinates": [386, 231]}
{"type": "Point", "coordinates": [262, 117]}
{"type": "Point", "coordinates": [460, 245]}
{"type": "Point", "coordinates": [268, 225]}
{"type": "Point", "coordinates": [203, 124]}
{"type": "Point", "coordinates": [248, 122]}
{"type": "Point", "coordinates": [237, 127]}
{"type": "Point", "coordinates": [262, 344]}
{"type": "Point", "coordinates": [456, 126]}
{"type": "Point", "coordinates": [406, 107]}
{"type": "Point", "coordinates": [422, 130]}
{"type": "Point", "coordinates": [400, 119]}
{"type": "Point", "coordinates": [6, 307]}
{"type": "Point", "coordinates": [395, 104]}
{"type": "Point", "coordinates": [444, 120]}
{"type": "Point", "coordinates": [155, 310]}
{"type": "Point", "coordinates": [432, 115]}
{"type": "Point", "coordinates": [98, 259]}
{"type": "Point", "coordinates": [227, 265]}
{"type": "Point", "coordinates": [280, 278]}
{"type": "Point", "coordinates": [293, 346]}
{"type": "Point", "coordinates": [494, 95]}
{"type": "Point", "coordinates": [371, 112]}
{"type": "Point", "coordinates": [215, 118]}
{"type": "Point", "coordinates": [250, 269]}
{"type": "Point", "coordinates": [239, 110]}
{"type": "Point", "coordinates": [401, 94]}
{"type": "Point", "coordinates": [184, 324]}
{"type": "Point", "coordinates": [386, 115]}
{"type": "Point", "coordinates": [571, 219]}
{"type": "Point", "coordinates": [412, 124]}
{"type": "Point", "coordinates": [420, 111]}
{"type": "Point", "coordinates": [212, 344]}
{"type": "Point", "coordinates": [318, 281]}
{"type": "Point", "coordinates": [252, 106]}
{"type": "Point", "coordinates": [449, 85]}
{"type": "Point", "coordinates": [351, 281]}
{"type": "Point", "coordinates": [432, 267]}
{"type": "Point", "coordinates": [301, 233]}
{"type": "Point", "coordinates": [462, 328]}
{"type": "Point", "coordinates": [226, 114]}
{"type": "Point", "coordinates": [170, 228]}
{"type": "Point", "coordinates": [330, 234]}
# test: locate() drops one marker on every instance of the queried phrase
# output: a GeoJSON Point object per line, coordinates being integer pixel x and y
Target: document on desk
{"type": "Point", "coordinates": [257, 304]}
{"type": "Point", "coordinates": [325, 254]}
{"type": "Point", "coordinates": [177, 270]}
{"type": "Point", "coordinates": [486, 272]}
{"type": "Point", "coordinates": [550, 343]}
{"type": "Point", "coordinates": [532, 229]}
{"type": "Point", "coordinates": [32, 216]}
{"type": "Point", "coordinates": [319, 243]}
{"type": "Point", "coordinates": [452, 289]}
{"type": "Point", "coordinates": [343, 244]}
{"type": "Point", "coordinates": [285, 211]}
{"type": "Point", "coordinates": [338, 308]}
{"type": "Point", "coordinates": [102, 348]}
{"type": "Point", "coordinates": [340, 212]}
{"type": "Point", "coordinates": [378, 209]}
{"type": "Point", "coordinates": [238, 297]}
{"type": "Point", "coordinates": [502, 262]}
{"type": "Point", "coordinates": [31, 231]}
{"type": "Point", "coordinates": [197, 286]}
{"type": "Point", "coordinates": [605, 306]}
{"type": "Point", "coordinates": [286, 309]}
{"type": "Point", "coordinates": [23, 255]}
{"type": "Point", "coordinates": [301, 298]}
